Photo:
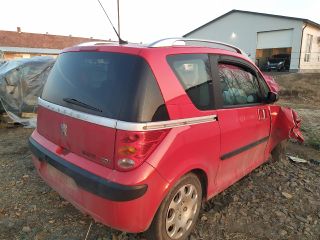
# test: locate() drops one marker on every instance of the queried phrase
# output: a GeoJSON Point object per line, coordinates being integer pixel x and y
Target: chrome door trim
{"type": "Point", "coordinates": [164, 124]}
{"type": "Point", "coordinates": [122, 125]}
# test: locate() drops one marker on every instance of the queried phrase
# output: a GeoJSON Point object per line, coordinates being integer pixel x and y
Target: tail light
{"type": "Point", "coordinates": [133, 148]}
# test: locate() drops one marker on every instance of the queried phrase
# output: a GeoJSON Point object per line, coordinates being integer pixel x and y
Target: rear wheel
{"type": "Point", "coordinates": [179, 211]}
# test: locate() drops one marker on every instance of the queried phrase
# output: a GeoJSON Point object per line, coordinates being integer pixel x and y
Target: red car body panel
{"type": "Point", "coordinates": [90, 141]}
{"type": "Point", "coordinates": [207, 147]}
{"type": "Point", "coordinates": [112, 213]}
{"type": "Point", "coordinates": [284, 125]}
{"type": "Point", "coordinates": [177, 155]}
{"type": "Point", "coordinates": [237, 126]}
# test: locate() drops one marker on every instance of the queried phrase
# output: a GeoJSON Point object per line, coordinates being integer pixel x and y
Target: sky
{"type": "Point", "coordinates": [140, 20]}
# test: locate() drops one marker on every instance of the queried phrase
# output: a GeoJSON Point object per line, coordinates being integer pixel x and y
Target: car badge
{"type": "Point", "coordinates": [63, 129]}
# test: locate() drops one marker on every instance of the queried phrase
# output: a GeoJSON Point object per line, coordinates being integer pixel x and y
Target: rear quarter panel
{"type": "Point", "coordinates": [188, 148]}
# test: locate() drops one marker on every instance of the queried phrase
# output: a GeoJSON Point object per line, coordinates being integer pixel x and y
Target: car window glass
{"type": "Point", "coordinates": [263, 86]}
{"type": "Point", "coordinates": [122, 86]}
{"type": "Point", "coordinates": [193, 72]}
{"type": "Point", "coordinates": [238, 86]}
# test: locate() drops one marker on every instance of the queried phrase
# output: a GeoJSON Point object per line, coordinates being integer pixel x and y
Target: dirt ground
{"type": "Point", "coordinates": [278, 200]}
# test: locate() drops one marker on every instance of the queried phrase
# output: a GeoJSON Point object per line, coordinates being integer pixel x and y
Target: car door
{"type": "Point", "coordinates": [244, 119]}
{"type": "Point", "coordinates": [200, 141]}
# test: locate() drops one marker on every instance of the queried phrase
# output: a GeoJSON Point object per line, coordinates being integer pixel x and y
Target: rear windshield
{"type": "Point", "coordinates": [113, 85]}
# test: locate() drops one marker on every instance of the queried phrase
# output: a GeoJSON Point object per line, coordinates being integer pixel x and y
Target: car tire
{"type": "Point", "coordinates": [179, 211]}
{"type": "Point", "coordinates": [279, 152]}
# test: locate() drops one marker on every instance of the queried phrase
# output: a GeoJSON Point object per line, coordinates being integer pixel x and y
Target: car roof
{"type": "Point", "coordinates": [145, 50]}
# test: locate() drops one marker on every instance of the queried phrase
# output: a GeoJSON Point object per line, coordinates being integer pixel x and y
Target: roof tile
{"type": "Point", "coordinates": [35, 40]}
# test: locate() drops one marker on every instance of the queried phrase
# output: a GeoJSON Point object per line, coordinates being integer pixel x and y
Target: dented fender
{"type": "Point", "coordinates": [285, 124]}
{"type": "Point", "coordinates": [273, 85]}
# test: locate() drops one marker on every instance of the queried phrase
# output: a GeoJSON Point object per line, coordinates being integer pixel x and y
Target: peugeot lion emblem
{"type": "Point", "coordinates": [63, 129]}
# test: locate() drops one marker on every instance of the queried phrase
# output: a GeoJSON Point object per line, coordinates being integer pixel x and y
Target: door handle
{"type": "Point", "coordinates": [262, 114]}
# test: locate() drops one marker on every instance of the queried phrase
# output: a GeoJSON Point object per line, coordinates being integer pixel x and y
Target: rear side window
{"type": "Point", "coordinates": [238, 86]}
{"type": "Point", "coordinates": [193, 72]}
{"type": "Point", "coordinates": [113, 85]}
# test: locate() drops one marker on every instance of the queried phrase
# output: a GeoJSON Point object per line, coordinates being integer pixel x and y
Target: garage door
{"type": "Point", "coordinates": [275, 39]}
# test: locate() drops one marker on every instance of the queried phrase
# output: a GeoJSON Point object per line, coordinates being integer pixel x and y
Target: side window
{"type": "Point", "coordinates": [238, 86]}
{"type": "Point", "coordinates": [193, 72]}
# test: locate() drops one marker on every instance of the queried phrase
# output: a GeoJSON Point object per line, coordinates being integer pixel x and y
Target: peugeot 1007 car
{"type": "Point", "coordinates": [140, 136]}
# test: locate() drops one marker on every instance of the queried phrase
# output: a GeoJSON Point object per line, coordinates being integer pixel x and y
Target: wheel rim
{"type": "Point", "coordinates": [182, 211]}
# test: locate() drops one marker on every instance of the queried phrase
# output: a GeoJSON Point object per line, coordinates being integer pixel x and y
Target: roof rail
{"type": "Point", "coordinates": [85, 44]}
{"type": "Point", "coordinates": [182, 41]}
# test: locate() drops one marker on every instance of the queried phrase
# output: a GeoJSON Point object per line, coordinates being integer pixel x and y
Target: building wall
{"type": "Point", "coordinates": [14, 55]}
{"type": "Point", "coordinates": [314, 59]}
{"type": "Point", "coordinates": [245, 27]}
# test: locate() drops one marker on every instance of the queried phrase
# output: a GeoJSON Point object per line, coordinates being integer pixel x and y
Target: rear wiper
{"type": "Point", "coordinates": [81, 104]}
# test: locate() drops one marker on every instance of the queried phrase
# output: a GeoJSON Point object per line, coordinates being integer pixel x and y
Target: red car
{"type": "Point", "coordinates": [139, 136]}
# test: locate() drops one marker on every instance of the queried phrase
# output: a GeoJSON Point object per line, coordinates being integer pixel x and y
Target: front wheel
{"type": "Point", "coordinates": [179, 211]}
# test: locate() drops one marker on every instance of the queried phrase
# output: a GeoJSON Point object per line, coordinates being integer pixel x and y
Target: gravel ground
{"type": "Point", "coordinates": [276, 201]}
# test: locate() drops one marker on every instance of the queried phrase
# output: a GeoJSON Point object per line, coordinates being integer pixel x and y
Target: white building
{"type": "Point", "coordinates": [262, 35]}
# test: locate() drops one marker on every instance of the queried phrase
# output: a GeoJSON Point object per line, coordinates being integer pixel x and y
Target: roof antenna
{"type": "Point", "coordinates": [120, 40]}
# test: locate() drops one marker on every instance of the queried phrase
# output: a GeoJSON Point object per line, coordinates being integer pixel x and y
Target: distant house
{"type": "Point", "coordinates": [263, 35]}
{"type": "Point", "coordinates": [25, 45]}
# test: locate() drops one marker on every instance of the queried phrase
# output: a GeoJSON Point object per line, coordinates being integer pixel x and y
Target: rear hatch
{"type": "Point", "coordinates": [87, 92]}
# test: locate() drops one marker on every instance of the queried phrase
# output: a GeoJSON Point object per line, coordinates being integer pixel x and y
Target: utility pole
{"type": "Point", "coordinates": [118, 5]}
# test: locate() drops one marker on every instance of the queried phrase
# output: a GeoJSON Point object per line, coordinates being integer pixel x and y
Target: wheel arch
{"type": "Point", "coordinates": [202, 175]}
{"type": "Point", "coordinates": [198, 173]}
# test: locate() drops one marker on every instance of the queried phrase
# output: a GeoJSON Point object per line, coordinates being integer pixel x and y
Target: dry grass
{"type": "Point", "coordinates": [300, 88]}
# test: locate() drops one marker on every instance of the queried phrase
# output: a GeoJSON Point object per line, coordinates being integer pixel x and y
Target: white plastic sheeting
{"type": "Point", "coordinates": [21, 83]}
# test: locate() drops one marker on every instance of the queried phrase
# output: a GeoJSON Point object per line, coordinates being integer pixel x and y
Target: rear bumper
{"type": "Point", "coordinates": [86, 180]}
{"type": "Point", "coordinates": [124, 201]}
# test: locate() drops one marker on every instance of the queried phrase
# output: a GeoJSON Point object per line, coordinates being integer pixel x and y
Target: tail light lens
{"type": "Point", "coordinates": [133, 148]}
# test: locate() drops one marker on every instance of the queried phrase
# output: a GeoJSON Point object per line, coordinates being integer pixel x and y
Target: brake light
{"type": "Point", "coordinates": [133, 148]}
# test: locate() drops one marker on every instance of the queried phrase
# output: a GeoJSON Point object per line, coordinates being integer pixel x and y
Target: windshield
{"type": "Point", "coordinates": [275, 60]}
{"type": "Point", "coordinates": [120, 86]}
